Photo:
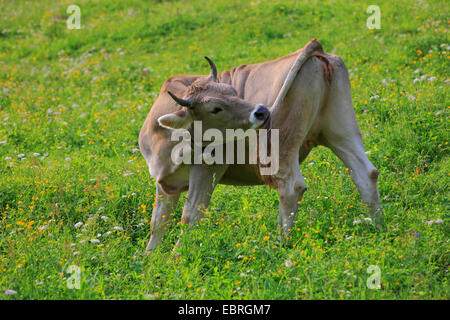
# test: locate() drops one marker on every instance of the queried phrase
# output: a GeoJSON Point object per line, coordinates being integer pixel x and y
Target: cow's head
{"type": "Point", "coordinates": [217, 105]}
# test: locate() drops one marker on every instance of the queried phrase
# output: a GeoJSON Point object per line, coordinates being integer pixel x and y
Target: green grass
{"type": "Point", "coordinates": [79, 99]}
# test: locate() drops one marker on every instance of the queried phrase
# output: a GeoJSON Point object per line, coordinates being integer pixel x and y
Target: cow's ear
{"type": "Point", "coordinates": [177, 120]}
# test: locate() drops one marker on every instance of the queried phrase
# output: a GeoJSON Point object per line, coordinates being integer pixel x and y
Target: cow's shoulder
{"type": "Point", "coordinates": [178, 83]}
{"type": "Point", "coordinates": [155, 141]}
{"type": "Point", "coordinates": [164, 104]}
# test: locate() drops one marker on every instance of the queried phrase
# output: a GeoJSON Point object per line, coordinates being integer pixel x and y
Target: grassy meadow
{"type": "Point", "coordinates": [75, 190]}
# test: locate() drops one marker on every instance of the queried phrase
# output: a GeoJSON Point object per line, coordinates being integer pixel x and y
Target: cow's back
{"type": "Point", "coordinates": [260, 82]}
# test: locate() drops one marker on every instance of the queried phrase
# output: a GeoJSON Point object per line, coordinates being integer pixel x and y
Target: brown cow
{"type": "Point", "coordinates": [315, 109]}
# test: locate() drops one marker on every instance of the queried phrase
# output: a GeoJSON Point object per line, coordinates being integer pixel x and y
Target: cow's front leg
{"type": "Point", "coordinates": [165, 205]}
{"type": "Point", "coordinates": [202, 181]}
{"type": "Point", "coordinates": [291, 187]}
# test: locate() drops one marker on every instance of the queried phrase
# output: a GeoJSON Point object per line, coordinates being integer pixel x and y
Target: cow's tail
{"type": "Point", "coordinates": [311, 49]}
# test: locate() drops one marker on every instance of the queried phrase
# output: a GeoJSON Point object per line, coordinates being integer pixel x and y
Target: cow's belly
{"type": "Point", "coordinates": [241, 175]}
{"type": "Point", "coordinates": [237, 175]}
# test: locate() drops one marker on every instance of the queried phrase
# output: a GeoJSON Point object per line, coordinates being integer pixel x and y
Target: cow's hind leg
{"type": "Point", "coordinates": [363, 173]}
{"type": "Point", "coordinates": [342, 135]}
{"type": "Point", "coordinates": [165, 205]}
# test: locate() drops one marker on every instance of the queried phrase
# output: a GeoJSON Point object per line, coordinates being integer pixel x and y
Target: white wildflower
{"type": "Point", "coordinates": [438, 220]}
{"type": "Point", "coordinates": [10, 292]}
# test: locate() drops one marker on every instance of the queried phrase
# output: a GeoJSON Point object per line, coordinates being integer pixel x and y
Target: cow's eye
{"type": "Point", "coordinates": [216, 110]}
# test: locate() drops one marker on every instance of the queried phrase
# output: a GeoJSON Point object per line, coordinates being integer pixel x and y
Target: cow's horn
{"type": "Point", "coordinates": [213, 74]}
{"type": "Point", "coordinates": [183, 102]}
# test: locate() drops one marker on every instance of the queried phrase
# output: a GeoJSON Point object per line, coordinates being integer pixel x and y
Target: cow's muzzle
{"type": "Point", "coordinates": [259, 116]}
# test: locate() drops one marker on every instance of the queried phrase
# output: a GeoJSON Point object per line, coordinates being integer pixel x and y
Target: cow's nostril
{"type": "Point", "coordinates": [259, 116]}
{"type": "Point", "coordinates": [261, 113]}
